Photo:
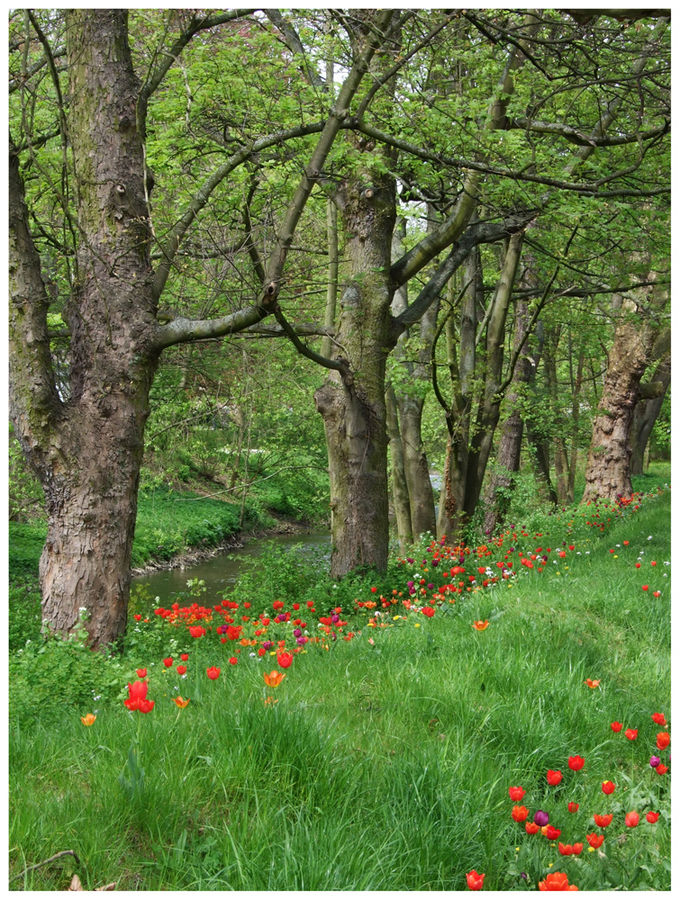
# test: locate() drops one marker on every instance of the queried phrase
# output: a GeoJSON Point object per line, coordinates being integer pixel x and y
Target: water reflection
{"type": "Point", "coordinates": [220, 572]}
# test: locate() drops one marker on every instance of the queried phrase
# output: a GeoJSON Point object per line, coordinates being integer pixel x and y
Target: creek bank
{"type": "Point", "coordinates": [237, 541]}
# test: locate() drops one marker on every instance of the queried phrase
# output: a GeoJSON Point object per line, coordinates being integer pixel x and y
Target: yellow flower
{"type": "Point", "coordinates": [180, 702]}
{"type": "Point", "coordinates": [88, 719]}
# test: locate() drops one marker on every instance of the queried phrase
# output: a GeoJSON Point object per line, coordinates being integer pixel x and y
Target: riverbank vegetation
{"type": "Point", "coordinates": [301, 735]}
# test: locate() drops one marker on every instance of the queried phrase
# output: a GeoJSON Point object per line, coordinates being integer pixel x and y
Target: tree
{"type": "Point", "coordinates": [86, 448]}
{"type": "Point", "coordinates": [608, 469]}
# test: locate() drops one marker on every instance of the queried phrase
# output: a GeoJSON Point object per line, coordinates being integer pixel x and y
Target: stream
{"type": "Point", "coordinates": [222, 571]}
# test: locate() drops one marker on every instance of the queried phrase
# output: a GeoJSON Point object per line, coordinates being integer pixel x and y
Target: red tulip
{"type": "Point", "coordinates": [427, 611]}
{"type": "Point", "coordinates": [475, 880]}
{"type": "Point", "coordinates": [213, 672]}
{"type": "Point", "coordinates": [141, 673]}
{"type": "Point", "coordinates": [184, 657]}
{"type": "Point", "coordinates": [572, 807]}
{"type": "Point", "coordinates": [663, 739]}
{"type": "Point", "coordinates": [196, 631]}
{"type": "Point", "coordinates": [556, 881]}
{"type": "Point", "coordinates": [137, 691]}
{"type": "Point", "coordinates": [616, 726]}
{"type": "Point", "coordinates": [661, 769]}
{"type": "Point", "coordinates": [602, 820]}
{"type": "Point", "coordinates": [167, 662]}
{"type": "Point", "coordinates": [284, 658]}
{"type": "Point", "coordinates": [608, 787]}
{"type": "Point", "coordinates": [181, 670]}
{"type": "Point", "coordinates": [551, 832]}
{"type": "Point", "coordinates": [531, 828]}
{"type": "Point", "coordinates": [519, 813]}
{"type": "Point", "coordinates": [554, 776]}
{"type": "Point", "coordinates": [595, 840]}
{"type": "Point", "coordinates": [516, 793]}
{"type": "Point", "coordinates": [652, 817]}
{"type": "Point", "coordinates": [632, 819]}
{"type": "Point", "coordinates": [631, 733]}
{"type": "Point", "coordinates": [576, 763]}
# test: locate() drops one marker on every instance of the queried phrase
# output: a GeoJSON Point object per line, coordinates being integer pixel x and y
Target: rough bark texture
{"type": "Point", "coordinates": [608, 467]}
{"type": "Point", "coordinates": [87, 451]}
{"type": "Point", "coordinates": [352, 404]}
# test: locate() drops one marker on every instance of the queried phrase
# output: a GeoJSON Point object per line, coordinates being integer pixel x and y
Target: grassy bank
{"type": "Point", "coordinates": [383, 759]}
{"type": "Point", "coordinates": [169, 523]}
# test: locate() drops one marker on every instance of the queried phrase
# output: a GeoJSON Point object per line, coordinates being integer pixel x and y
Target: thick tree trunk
{"type": "Point", "coordinates": [87, 451]}
{"type": "Point", "coordinates": [352, 403]}
{"type": "Point", "coordinates": [354, 420]}
{"type": "Point", "coordinates": [608, 466]}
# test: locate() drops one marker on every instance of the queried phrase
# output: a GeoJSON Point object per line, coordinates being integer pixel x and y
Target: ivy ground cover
{"type": "Point", "coordinates": [488, 717]}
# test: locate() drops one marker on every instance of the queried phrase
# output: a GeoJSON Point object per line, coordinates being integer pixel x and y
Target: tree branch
{"type": "Point", "coordinates": [340, 365]}
{"type": "Point", "coordinates": [582, 139]}
{"type": "Point", "coordinates": [479, 233]}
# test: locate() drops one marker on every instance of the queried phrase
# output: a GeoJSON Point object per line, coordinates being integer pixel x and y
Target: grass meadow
{"type": "Point", "coordinates": [405, 710]}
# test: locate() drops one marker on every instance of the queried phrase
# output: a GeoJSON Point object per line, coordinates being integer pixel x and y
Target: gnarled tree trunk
{"type": "Point", "coordinates": [608, 474]}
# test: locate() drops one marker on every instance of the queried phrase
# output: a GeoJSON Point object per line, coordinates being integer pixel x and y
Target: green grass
{"type": "Point", "coordinates": [383, 765]}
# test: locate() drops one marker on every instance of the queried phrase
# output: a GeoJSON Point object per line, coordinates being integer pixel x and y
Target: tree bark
{"type": "Point", "coordinates": [609, 458]}
{"type": "Point", "coordinates": [87, 451]}
{"type": "Point", "coordinates": [352, 402]}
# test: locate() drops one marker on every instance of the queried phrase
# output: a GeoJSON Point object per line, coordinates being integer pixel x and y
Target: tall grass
{"type": "Point", "coordinates": [383, 765]}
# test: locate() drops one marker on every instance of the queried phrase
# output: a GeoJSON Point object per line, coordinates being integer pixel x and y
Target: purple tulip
{"type": "Point", "coordinates": [654, 762]}
{"type": "Point", "coordinates": [541, 818]}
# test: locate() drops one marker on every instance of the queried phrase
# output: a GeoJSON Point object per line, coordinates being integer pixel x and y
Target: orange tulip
{"type": "Point", "coordinates": [273, 678]}
{"type": "Point", "coordinates": [88, 719]}
{"type": "Point", "coordinates": [480, 626]}
{"type": "Point", "coordinates": [180, 702]}
{"type": "Point", "coordinates": [591, 683]}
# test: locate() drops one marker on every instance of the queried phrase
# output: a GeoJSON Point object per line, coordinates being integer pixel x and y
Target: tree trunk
{"type": "Point", "coordinates": [400, 497]}
{"type": "Point", "coordinates": [646, 414]}
{"type": "Point", "coordinates": [510, 445]}
{"type": "Point", "coordinates": [410, 404]}
{"type": "Point", "coordinates": [87, 451]}
{"type": "Point", "coordinates": [609, 458]}
{"type": "Point", "coordinates": [352, 403]}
